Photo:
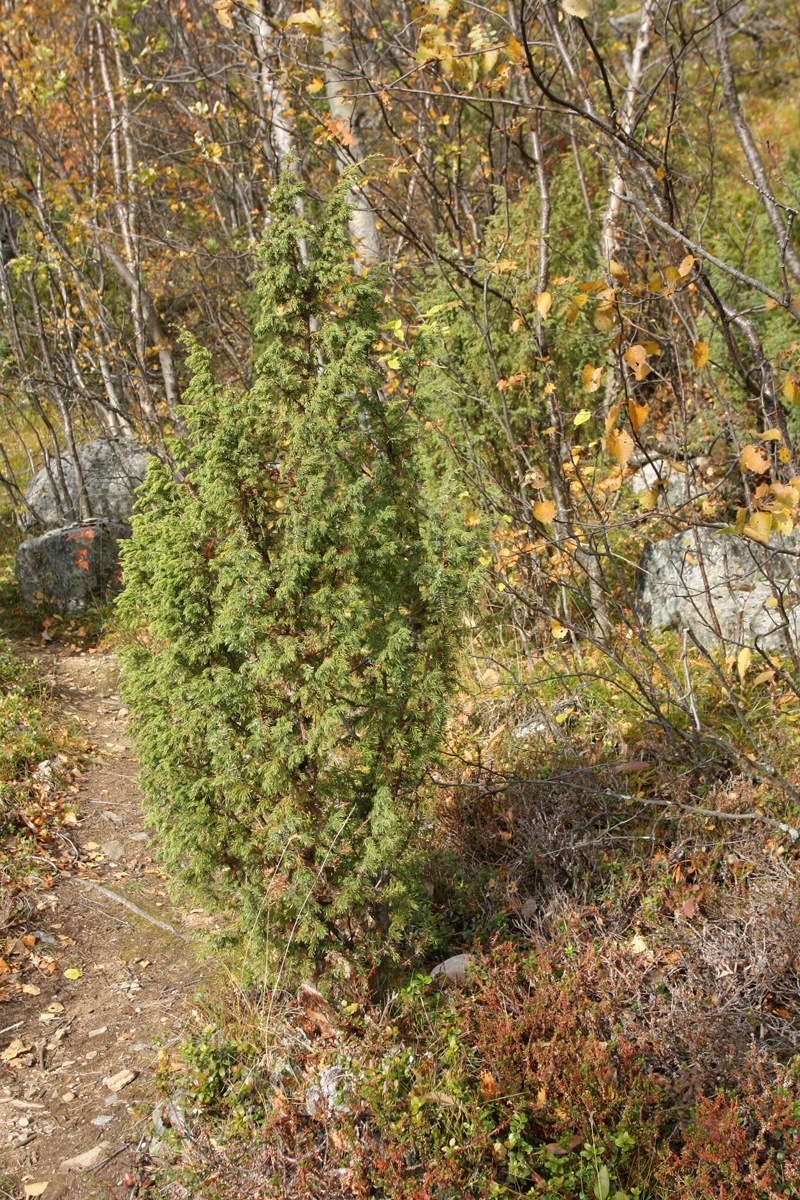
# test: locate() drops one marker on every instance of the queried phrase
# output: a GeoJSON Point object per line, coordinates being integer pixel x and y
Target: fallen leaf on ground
{"type": "Point", "coordinates": [14, 1049]}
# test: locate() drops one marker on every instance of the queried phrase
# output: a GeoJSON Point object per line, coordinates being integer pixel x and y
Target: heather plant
{"type": "Point", "coordinates": [293, 591]}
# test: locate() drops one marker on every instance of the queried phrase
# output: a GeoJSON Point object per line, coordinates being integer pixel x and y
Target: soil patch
{"type": "Point", "coordinates": [108, 979]}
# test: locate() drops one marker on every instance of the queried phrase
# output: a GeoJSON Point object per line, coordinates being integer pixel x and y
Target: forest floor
{"type": "Point", "coordinates": [102, 992]}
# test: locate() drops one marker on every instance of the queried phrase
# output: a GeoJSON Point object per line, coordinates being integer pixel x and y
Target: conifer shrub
{"type": "Point", "coordinates": [294, 590]}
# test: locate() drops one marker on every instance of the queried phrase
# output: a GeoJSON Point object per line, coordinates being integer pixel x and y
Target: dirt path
{"type": "Point", "coordinates": [105, 990]}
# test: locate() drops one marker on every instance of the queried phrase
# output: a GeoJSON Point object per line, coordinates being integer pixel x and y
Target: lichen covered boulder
{"type": "Point", "coordinates": [722, 588]}
{"type": "Point", "coordinates": [69, 569]}
{"type": "Point", "coordinates": [113, 469]}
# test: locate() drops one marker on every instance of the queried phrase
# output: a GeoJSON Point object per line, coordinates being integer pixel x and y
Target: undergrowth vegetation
{"type": "Point", "coordinates": [39, 749]}
{"type": "Point", "coordinates": [450, 328]}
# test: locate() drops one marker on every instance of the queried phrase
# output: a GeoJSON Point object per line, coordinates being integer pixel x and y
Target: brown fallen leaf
{"type": "Point", "coordinates": [14, 1049]}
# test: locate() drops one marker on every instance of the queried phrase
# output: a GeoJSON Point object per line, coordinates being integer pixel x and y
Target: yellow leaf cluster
{"type": "Point", "coordinates": [308, 22]}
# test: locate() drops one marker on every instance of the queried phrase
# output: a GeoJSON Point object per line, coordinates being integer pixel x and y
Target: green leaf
{"type": "Point", "coordinates": [602, 1187]}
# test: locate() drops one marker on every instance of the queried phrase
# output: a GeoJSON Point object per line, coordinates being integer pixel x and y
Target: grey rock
{"type": "Point", "coordinates": [169, 1114]}
{"type": "Point", "coordinates": [113, 468]}
{"type": "Point", "coordinates": [327, 1092]}
{"type": "Point", "coordinates": [454, 969]}
{"type": "Point", "coordinates": [72, 568]}
{"type": "Point", "coordinates": [45, 937]}
{"type": "Point", "coordinates": [704, 578]}
{"type": "Point", "coordinates": [87, 1160]}
{"type": "Point", "coordinates": [675, 487]}
{"type": "Point", "coordinates": [114, 850]}
{"type": "Point", "coordinates": [162, 1152]}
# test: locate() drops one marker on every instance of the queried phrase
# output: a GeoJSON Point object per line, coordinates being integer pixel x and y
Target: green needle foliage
{"type": "Point", "coordinates": [295, 589]}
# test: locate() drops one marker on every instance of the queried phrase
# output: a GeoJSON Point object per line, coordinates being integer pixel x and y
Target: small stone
{"type": "Point", "coordinates": [46, 938]}
{"type": "Point", "coordinates": [115, 1083]}
{"type": "Point", "coordinates": [68, 1097]}
{"type": "Point", "coordinates": [113, 850]}
{"type": "Point", "coordinates": [138, 837]}
{"type": "Point", "coordinates": [87, 1160]}
{"type": "Point", "coordinates": [454, 969]}
{"type": "Point", "coordinates": [93, 1033]}
{"type": "Point", "coordinates": [111, 816]}
{"type": "Point", "coordinates": [102, 1120]}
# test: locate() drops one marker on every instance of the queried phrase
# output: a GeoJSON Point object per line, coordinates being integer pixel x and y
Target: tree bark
{"type": "Point", "coordinates": [789, 258]}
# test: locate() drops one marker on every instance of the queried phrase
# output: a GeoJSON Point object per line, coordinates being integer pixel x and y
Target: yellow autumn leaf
{"type": "Point", "coordinates": [699, 355]}
{"type": "Point", "coordinates": [636, 358]}
{"type": "Point", "coordinates": [544, 303]}
{"type": "Point", "coordinates": [515, 52]}
{"type": "Point", "coordinates": [618, 272]}
{"type": "Point", "coordinates": [637, 414]}
{"type": "Point", "coordinates": [577, 8]}
{"type": "Point", "coordinates": [743, 660]}
{"type": "Point", "coordinates": [648, 499]}
{"type": "Point", "coordinates": [223, 10]}
{"type": "Point", "coordinates": [620, 446]}
{"type": "Point", "coordinates": [686, 266]}
{"type": "Point", "coordinates": [758, 527]}
{"type": "Point", "coordinates": [591, 377]}
{"type": "Point", "coordinates": [611, 418]}
{"type": "Point", "coordinates": [544, 511]}
{"type": "Point", "coordinates": [791, 390]}
{"type": "Point", "coordinates": [582, 417]}
{"type": "Point", "coordinates": [754, 458]}
{"type": "Point", "coordinates": [558, 630]}
{"type": "Point", "coordinates": [73, 973]}
{"type": "Point", "coordinates": [771, 435]}
{"type": "Point", "coordinates": [605, 317]}
{"type": "Point", "coordinates": [308, 22]}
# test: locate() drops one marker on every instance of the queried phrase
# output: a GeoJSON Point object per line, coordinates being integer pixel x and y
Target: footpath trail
{"type": "Point", "coordinates": [105, 988]}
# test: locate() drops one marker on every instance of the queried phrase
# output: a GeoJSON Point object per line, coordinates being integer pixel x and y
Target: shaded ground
{"type": "Point", "coordinates": [104, 990]}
